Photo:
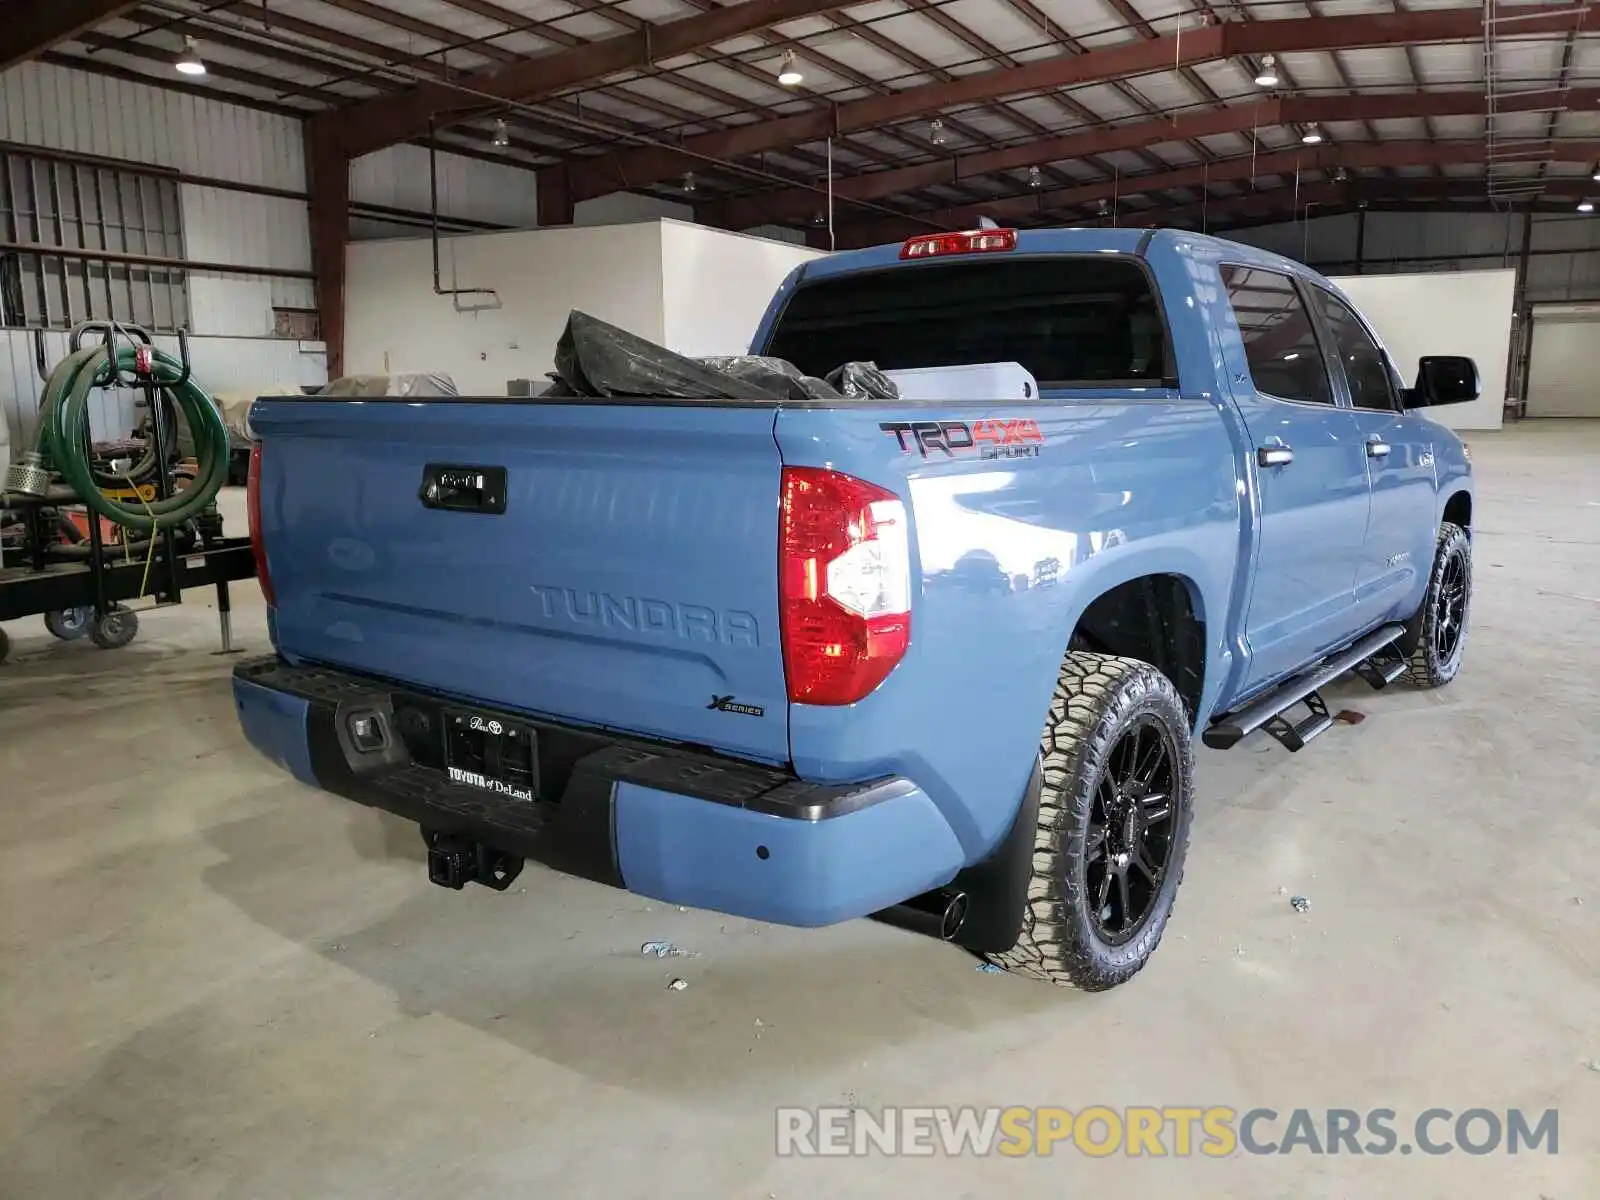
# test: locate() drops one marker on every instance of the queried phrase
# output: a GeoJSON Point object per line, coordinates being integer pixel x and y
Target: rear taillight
{"type": "Point", "coordinates": [972, 241]}
{"type": "Point", "coordinates": [844, 566]}
{"type": "Point", "coordinates": [253, 507]}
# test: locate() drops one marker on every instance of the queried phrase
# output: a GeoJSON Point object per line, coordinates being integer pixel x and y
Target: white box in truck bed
{"type": "Point", "coordinates": [975, 381]}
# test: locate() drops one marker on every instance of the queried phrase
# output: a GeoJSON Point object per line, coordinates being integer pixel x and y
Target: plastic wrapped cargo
{"type": "Point", "coordinates": [862, 381]}
{"type": "Point", "coordinates": [774, 375]}
{"type": "Point", "coordinates": [402, 383]}
{"type": "Point", "coordinates": [235, 409]}
{"type": "Point", "coordinates": [595, 358]}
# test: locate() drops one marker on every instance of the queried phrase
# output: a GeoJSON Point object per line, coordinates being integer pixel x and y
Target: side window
{"type": "Point", "coordinates": [1279, 342]}
{"type": "Point", "coordinates": [1365, 370]}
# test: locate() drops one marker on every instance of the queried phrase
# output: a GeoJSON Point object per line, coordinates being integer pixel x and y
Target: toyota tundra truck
{"type": "Point", "coordinates": [806, 661]}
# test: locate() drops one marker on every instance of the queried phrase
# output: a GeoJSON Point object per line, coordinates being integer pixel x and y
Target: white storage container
{"type": "Point", "coordinates": [975, 381]}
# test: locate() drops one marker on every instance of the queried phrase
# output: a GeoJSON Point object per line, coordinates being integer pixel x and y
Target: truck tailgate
{"type": "Point", "coordinates": [630, 582]}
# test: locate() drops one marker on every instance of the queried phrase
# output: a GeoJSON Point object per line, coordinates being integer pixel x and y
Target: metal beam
{"type": "Point", "coordinates": [793, 204]}
{"type": "Point", "coordinates": [123, 258]}
{"type": "Point", "coordinates": [650, 164]}
{"type": "Point", "coordinates": [256, 79]}
{"type": "Point", "coordinates": [328, 171]}
{"type": "Point", "coordinates": [1286, 203]}
{"type": "Point", "coordinates": [1329, 199]}
{"type": "Point", "coordinates": [382, 122]}
{"type": "Point", "coordinates": [1354, 155]}
{"type": "Point", "coordinates": [169, 81]}
{"type": "Point", "coordinates": [358, 208]}
{"type": "Point", "coordinates": [30, 27]}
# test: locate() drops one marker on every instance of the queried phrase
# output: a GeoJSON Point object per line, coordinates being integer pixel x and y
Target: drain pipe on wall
{"type": "Point", "coordinates": [439, 289]}
{"type": "Point", "coordinates": [832, 241]}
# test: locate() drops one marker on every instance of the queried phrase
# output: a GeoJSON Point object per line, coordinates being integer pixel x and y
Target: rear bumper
{"type": "Point", "coordinates": [681, 826]}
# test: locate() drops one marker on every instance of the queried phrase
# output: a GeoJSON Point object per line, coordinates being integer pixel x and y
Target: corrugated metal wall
{"type": "Point", "coordinates": [45, 105]}
{"type": "Point", "coordinates": [231, 315]}
{"type": "Point", "coordinates": [624, 208]}
{"type": "Point", "coordinates": [469, 188]}
{"type": "Point", "coordinates": [1563, 264]}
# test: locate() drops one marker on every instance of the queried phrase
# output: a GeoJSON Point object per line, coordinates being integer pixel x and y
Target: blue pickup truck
{"type": "Point", "coordinates": [812, 660]}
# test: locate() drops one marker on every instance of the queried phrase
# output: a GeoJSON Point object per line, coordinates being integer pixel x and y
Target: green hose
{"type": "Point", "coordinates": [63, 437]}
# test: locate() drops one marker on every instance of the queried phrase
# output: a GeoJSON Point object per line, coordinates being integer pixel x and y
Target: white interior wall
{"type": "Point", "coordinates": [1464, 312]}
{"type": "Point", "coordinates": [394, 322]}
{"type": "Point", "coordinates": [1564, 375]}
{"type": "Point", "coordinates": [717, 285]}
{"type": "Point", "coordinates": [693, 289]}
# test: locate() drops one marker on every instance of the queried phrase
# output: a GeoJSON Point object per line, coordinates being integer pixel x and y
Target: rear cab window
{"type": "Point", "coordinates": [1073, 321]}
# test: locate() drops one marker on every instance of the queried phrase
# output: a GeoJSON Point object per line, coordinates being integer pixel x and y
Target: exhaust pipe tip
{"type": "Point", "coordinates": [939, 913]}
{"type": "Point", "coordinates": [954, 916]}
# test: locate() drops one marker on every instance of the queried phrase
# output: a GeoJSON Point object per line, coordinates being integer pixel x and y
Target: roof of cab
{"type": "Point", "coordinates": [1068, 241]}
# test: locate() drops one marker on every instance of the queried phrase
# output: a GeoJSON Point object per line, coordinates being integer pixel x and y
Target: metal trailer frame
{"type": "Point", "coordinates": [41, 587]}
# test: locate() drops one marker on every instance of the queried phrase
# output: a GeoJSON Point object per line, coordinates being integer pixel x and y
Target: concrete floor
{"type": "Point", "coordinates": [216, 982]}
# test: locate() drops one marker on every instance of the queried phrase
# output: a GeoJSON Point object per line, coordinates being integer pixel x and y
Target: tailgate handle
{"type": "Point", "coordinates": [464, 489]}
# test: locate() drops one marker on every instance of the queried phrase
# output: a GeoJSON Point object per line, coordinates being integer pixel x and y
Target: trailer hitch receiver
{"type": "Point", "coordinates": [455, 861]}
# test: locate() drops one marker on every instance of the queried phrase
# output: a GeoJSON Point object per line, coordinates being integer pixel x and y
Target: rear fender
{"type": "Point", "coordinates": [1007, 553]}
{"type": "Point", "coordinates": [1142, 561]}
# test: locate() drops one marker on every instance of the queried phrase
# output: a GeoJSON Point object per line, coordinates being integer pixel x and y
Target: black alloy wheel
{"type": "Point", "coordinates": [1435, 640]}
{"type": "Point", "coordinates": [1451, 620]}
{"type": "Point", "coordinates": [1129, 844]}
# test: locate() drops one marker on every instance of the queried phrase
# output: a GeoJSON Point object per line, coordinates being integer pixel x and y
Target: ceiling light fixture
{"type": "Point", "coordinates": [1267, 76]}
{"type": "Point", "coordinates": [189, 62]}
{"type": "Point", "coordinates": [689, 182]}
{"type": "Point", "coordinates": [1595, 175]}
{"type": "Point", "coordinates": [936, 133]}
{"type": "Point", "coordinates": [1035, 178]}
{"type": "Point", "coordinates": [789, 73]}
{"type": "Point", "coordinates": [502, 135]}
{"type": "Point", "coordinates": [1312, 136]}
{"type": "Point", "coordinates": [1586, 206]}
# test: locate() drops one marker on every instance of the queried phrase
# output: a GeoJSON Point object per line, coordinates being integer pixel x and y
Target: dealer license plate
{"type": "Point", "coordinates": [492, 754]}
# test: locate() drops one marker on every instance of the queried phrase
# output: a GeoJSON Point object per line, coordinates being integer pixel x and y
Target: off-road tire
{"type": "Point", "coordinates": [116, 629]}
{"type": "Point", "coordinates": [1097, 698]}
{"type": "Point", "coordinates": [69, 624]}
{"type": "Point", "coordinates": [1426, 665]}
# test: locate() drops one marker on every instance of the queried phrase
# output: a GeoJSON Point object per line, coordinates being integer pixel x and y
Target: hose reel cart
{"type": "Point", "coordinates": [84, 528]}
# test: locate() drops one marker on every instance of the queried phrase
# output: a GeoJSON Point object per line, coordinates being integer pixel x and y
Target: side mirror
{"type": "Point", "coordinates": [1444, 379]}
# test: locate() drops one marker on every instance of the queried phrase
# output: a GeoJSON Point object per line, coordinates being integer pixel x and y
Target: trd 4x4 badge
{"type": "Point", "coordinates": [1000, 438]}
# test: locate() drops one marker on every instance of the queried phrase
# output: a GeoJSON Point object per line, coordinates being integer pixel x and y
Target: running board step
{"type": "Point", "coordinates": [1383, 668]}
{"type": "Point", "coordinates": [1268, 711]}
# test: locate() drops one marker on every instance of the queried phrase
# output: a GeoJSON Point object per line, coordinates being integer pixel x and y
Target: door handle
{"type": "Point", "coordinates": [1377, 448]}
{"type": "Point", "coordinates": [464, 489]}
{"type": "Point", "coordinates": [1274, 456]}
